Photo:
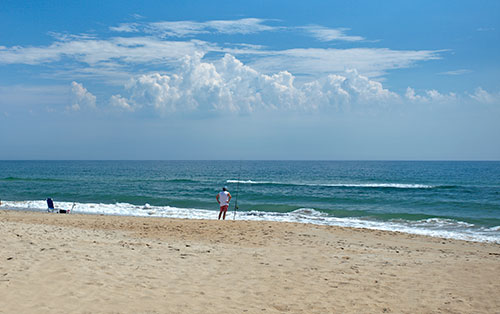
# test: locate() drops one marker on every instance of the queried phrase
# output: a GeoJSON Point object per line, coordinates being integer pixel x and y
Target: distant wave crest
{"type": "Point", "coordinates": [30, 179]}
{"type": "Point", "coordinates": [341, 185]}
{"type": "Point", "coordinates": [182, 181]}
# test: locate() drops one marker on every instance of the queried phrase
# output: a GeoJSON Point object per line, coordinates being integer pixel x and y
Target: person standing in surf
{"type": "Point", "coordinates": [223, 198]}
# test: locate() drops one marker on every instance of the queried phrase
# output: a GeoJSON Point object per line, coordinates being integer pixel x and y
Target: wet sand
{"type": "Point", "coordinates": [56, 263]}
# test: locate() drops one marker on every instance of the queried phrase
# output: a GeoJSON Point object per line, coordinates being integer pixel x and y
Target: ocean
{"type": "Point", "coordinates": [451, 199]}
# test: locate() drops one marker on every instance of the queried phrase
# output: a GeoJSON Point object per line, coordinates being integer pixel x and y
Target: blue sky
{"type": "Point", "coordinates": [250, 80]}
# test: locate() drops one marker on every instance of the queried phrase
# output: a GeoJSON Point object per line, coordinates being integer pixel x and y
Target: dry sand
{"type": "Point", "coordinates": [56, 263]}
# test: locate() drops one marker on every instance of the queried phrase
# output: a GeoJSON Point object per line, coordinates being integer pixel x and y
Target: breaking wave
{"type": "Point", "coordinates": [342, 185]}
{"type": "Point", "coordinates": [435, 227]}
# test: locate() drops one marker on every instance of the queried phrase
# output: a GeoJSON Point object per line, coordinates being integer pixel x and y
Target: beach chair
{"type": "Point", "coordinates": [52, 209]}
{"type": "Point", "coordinates": [50, 205]}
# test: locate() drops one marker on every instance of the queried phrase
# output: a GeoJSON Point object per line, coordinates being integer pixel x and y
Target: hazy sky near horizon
{"type": "Point", "coordinates": [409, 80]}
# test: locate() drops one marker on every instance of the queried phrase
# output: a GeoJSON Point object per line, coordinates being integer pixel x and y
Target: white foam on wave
{"type": "Point", "coordinates": [252, 182]}
{"type": "Point", "coordinates": [442, 223]}
{"type": "Point", "coordinates": [309, 212]}
{"type": "Point", "coordinates": [353, 185]}
{"type": "Point", "coordinates": [384, 185]}
{"type": "Point", "coordinates": [435, 227]}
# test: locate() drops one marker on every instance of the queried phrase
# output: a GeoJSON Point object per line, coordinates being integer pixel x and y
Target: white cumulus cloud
{"type": "Point", "coordinates": [431, 96]}
{"type": "Point", "coordinates": [227, 85]}
{"type": "Point", "coordinates": [81, 98]}
{"type": "Point", "coordinates": [482, 96]}
{"type": "Point", "coordinates": [121, 103]}
{"type": "Point", "coordinates": [479, 96]}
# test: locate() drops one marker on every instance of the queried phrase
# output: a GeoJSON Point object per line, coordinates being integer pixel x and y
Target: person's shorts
{"type": "Point", "coordinates": [224, 208]}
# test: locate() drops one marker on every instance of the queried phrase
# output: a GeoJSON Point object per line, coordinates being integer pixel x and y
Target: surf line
{"type": "Point", "coordinates": [237, 190]}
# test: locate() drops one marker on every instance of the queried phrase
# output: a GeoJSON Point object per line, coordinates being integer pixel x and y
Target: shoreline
{"type": "Point", "coordinates": [56, 263]}
{"type": "Point", "coordinates": [480, 235]}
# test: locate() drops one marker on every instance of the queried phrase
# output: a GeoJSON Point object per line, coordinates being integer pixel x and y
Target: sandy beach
{"type": "Point", "coordinates": [56, 263]}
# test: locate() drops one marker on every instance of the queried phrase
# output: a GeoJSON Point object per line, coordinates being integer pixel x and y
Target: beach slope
{"type": "Point", "coordinates": [55, 263]}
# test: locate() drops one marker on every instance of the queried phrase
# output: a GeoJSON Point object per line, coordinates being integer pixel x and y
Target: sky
{"type": "Point", "coordinates": [265, 80]}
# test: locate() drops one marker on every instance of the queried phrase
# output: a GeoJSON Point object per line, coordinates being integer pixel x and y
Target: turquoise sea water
{"type": "Point", "coordinates": [449, 199]}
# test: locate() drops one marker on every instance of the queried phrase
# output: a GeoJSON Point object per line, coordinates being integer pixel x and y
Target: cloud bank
{"type": "Point", "coordinates": [228, 85]}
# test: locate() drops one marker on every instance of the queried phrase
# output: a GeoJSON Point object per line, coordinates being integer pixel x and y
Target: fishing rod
{"type": "Point", "coordinates": [237, 190]}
